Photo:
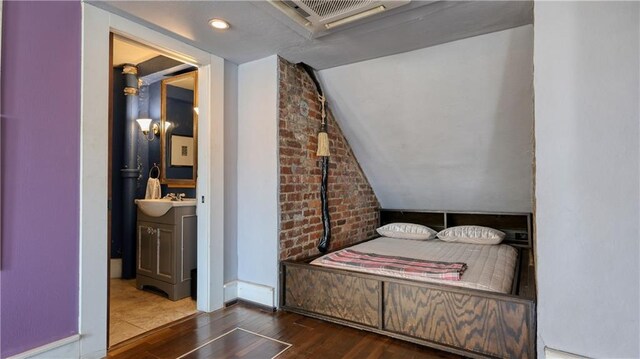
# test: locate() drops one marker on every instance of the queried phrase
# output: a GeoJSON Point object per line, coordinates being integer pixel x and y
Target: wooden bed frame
{"type": "Point", "coordinates": [464, 321]}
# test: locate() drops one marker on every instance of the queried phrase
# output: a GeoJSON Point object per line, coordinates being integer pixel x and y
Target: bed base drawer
{"type": "Point", "coordinates": [346, 297]}
{"type": "Point", "coordinates": [483, 325]}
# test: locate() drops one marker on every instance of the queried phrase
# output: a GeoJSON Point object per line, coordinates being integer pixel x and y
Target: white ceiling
{"type": "Point", "coordinates": [129, 52]}
{"type": "Point", "coordinates": [258, 29]}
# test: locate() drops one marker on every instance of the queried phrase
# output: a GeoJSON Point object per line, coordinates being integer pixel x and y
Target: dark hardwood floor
{"type": "Point", "coordinates": [214, 335]}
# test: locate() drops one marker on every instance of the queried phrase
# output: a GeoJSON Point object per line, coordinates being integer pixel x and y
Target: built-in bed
{"type": "Point", "coordinates": [490, 312]}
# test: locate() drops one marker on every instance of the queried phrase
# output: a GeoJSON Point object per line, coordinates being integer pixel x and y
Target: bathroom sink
{"type": "Point", "coordinates": [158, 207]}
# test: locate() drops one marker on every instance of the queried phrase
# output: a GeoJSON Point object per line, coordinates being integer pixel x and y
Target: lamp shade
{"type": "Point", "coordinates": [144, 123]}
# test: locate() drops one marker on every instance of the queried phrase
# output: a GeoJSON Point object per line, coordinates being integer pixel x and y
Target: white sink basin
{"type": "Point", "coordinates": [158, 207]}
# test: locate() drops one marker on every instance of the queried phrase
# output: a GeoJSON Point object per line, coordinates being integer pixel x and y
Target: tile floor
{"type": "Point", "coordinates": [133, 312]}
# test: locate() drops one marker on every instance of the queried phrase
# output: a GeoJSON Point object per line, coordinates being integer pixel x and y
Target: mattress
{"type": "Point", "coordinates": [489, 267]}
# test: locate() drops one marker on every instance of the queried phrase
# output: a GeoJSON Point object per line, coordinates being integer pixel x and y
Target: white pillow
{"type": "Point", "coordinates": [407, 231]}
{"type": "Point", "coordinates": [472, 234]}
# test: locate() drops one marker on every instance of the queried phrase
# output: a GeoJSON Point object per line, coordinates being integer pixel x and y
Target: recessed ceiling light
{"type": "Point", "coordinates": [219, 24]}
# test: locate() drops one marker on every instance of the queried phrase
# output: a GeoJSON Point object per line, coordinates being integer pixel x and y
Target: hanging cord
{"type": "Point", "coordinates": [323, 246]}
{"type": "Point", "coordinates": [323, 137]}
{"type": "Point", "coordinates": [323, 101]}
{"type": "Point", "coordinates": [309, 70]}
{"type": "Point", "coordinates": [323, 153]}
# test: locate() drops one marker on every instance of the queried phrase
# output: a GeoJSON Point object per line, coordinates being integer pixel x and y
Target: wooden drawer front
{"type": "Point", "coordinates": [345, 297]}
{"type": "Point", "coordinates": [457, 320]}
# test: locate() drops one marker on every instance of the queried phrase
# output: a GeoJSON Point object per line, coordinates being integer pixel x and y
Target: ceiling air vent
{"type": "Point", "coordinates": [321, 15]}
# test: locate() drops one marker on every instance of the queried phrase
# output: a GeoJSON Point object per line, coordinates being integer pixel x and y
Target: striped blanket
{"type": "Point", "coordinates": [429, 269]}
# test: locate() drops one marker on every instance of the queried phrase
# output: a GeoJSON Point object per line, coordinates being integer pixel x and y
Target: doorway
{"type": "Point", "coordinates": [152, 162]}
{"type": "Point", "coordinates": [94, 252]}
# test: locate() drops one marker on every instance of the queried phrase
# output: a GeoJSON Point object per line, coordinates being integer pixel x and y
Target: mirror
{"type": "Point", "coordinates": [179, 130]}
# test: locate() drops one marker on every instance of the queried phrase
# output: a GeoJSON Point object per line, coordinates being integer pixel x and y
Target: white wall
{"type": "Point", "coordinates": [445, 127]}
{"type": "Point", "coordinates": [258, 211]}
{"type": "Point", "coordinates": [230, 171]}
{"type": "Point", "coordinates": [587, 195]}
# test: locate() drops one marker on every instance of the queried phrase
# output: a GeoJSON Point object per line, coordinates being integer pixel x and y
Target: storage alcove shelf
{"type": "Point", "coordinates": [167, 251]}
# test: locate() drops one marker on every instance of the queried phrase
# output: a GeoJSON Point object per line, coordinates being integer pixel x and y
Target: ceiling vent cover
{"type": "Point", "coordinates": [321, 15]}
{"type": "Point", "coordinates": [327, 9]}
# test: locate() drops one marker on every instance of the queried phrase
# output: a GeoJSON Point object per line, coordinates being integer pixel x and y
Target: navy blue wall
{"type": "Point", "coordinates": [117, 145]}
{"type": "Point", "coordinates": [154, 113]}
{"type": "Point", "coordinates": [148, 152]}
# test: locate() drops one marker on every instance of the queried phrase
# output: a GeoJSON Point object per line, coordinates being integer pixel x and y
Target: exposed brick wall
{"type": "Point", "coordinates": [353, 206]}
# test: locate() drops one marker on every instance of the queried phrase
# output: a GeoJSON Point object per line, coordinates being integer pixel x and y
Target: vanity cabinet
{"type": "Point", "coordinates": [166, 251]}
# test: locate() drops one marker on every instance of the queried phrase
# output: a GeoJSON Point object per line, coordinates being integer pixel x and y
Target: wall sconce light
{"type": "Point", "coordinates": [145, 126]}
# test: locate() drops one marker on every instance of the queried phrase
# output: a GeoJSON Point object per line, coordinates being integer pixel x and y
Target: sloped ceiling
{"type": "Point", "coordinates": [259, 30]}
{"type": "Point", "coordinates": [448, 127]}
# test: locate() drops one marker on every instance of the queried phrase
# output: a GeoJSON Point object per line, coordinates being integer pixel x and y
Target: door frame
{"type": "Point", "coordinates": [97, 24]}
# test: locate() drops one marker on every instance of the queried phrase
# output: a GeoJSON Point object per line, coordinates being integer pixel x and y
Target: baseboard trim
{"type": "Point", "coordinates": [256, 305]}
{"type": "Point", "coordinates": [249, 292]}
{"type": "Point", "coordinates": [115, 268]}
{"type": "Point", "coordinates": [230, 291]}
{"type": "Point", "coordinates": [550, 353]}
{"type": "Point", "coordinates": [230, 303]}
{"type": "Point", "coordinates": [64, 348]}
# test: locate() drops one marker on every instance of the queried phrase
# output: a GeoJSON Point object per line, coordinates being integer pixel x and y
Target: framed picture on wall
{"type": "Point", "coordinates": [181, 151]}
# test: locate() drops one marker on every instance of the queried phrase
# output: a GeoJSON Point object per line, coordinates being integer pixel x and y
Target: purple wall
{"type": "Point", "coordinates": [40, 93]}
